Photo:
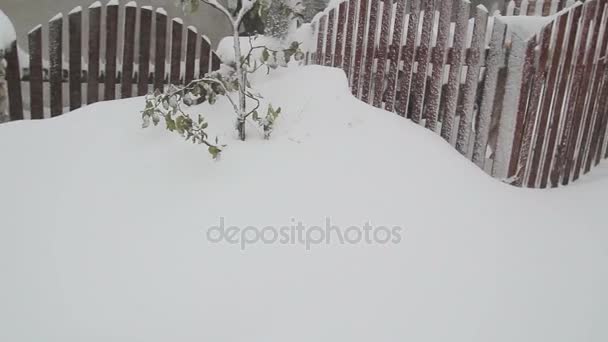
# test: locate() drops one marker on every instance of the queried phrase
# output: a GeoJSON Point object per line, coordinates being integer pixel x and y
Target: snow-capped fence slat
{"type": "Point", "coordinates": [405, 82]}
{"type": "Point", "coordinates": [465, 112]}
{"type": "Point", "coordinates": [486, 109]}
{"type": "Point", "coordinates": [359, 46]}
{"type": "Point", "coordinates": [13, 80]}
{"type": "Point", "coordinates": [329, 40]}
{"type": "Point", "coordinates": [458, 53]}
{"type": "Point", "coordinates": [94, 53]}
{"type": "Point", "coordinates": [431, 110]}
{"type": "Point", "coordinates": [321, 36]}
{"type": "Point", "coordinates": [160, 49]}
{"type": "Point", "coordinates": [533, 7]}
{"type": "Point", "coordinates": [56, 70]}
{"type": "Point", "coordinates": [111, 51]}
{"type": "Point", "coordinates": [145, 29]}
{"type": "Point", "coordinates": [550, 170]}
{"type": "Point", "coordinates": [36, 89]}
{"type": "Point", "coordinates": [597, 143]}
{"type": "Point", "coordinates": [177, 29]}
{"type": "Point", "coordinates": [393, 56]}
{"type": "Point", "coordinates": [205, 58]}
{"type": "Point", "coordinates": [547, 101]}
{"type": "Point", "coordinates": [128, 52]}
{"type": "Point", "coordinates": [382, 54]}
{"type": "Point", "coordinates": [75, 55]}
{"type": "Point", "coordinates": [190, 54]}
{"type": "Point", "coordinates": [350, 34]}
{"type": "Point", "coordinates": [370, 53]}
{"type": "Point", "coordinates": [340, 28]}
{"type": "Point", "coordinates": [423, 56]}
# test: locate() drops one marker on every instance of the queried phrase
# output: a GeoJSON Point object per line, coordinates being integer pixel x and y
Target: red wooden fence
{"type": "Point", "coordinates": [529, 110]}
{"type": "Point", "coordinates": [103, 71]}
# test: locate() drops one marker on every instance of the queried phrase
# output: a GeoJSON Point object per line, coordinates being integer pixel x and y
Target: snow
{"type": "Point", "coordinates": [178, 20]}
{"type": "Point", "coordinates": [76, 10]}
{"type": "Point", "coordinates": [7, 32]}
{"type": "Point", "coordinates": [112, 3]}
{"type": "Point", "coordinates": [525, 26]}
{"type": "Point", "coordinates": [95, 4]}
{"type": "Point", "coordinates": [56, 17]}
{"type": "Point", "coordinates": [131, 4]}
{"type": "Point", "coordinates": [161, 10]}
{"type": "Point", "coordinates": [102, 232]}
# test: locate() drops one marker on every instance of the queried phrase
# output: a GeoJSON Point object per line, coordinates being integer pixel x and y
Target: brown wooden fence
{"type": "Point", "coordinates": [533, 7]}
{"type": "Point", "coordinates": [100, 71]}
{"type": "Point", "coordinates": [529, 110]}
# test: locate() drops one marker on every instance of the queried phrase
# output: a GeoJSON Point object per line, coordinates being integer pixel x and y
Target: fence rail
{"type": "Point", "coordinates": [529, 110]}
{"type": "Point", "coordinates": [101, 72]}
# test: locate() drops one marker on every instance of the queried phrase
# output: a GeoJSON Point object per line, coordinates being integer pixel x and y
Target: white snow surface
{"type": "Point", "coordinates": [7, 32]}
{"type": "Point", "coordinates": [103, 224]}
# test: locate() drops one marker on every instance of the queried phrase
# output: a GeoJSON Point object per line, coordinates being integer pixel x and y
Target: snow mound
{"type": "Point", "coordinates": [103, 232]}
{"type": "Point", "coordinates": [7, 32]}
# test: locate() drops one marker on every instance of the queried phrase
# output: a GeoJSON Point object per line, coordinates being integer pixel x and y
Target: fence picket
{"type": "Point", "coordinates": [111, 51]}
{"type": "Point", "coordinates": [36, 90]}
{"type": "Point", "coordinates": [321, 36]}
{"type": "Point", "coordinates": [190, 54]}
{"type": "Point", "coordinates": [160, 49]}
{"type": "Point", "coordinates": [458, 53]}
{"type": "Point", "coordinates": [177, 29]}
{"type": "Point", "coordinates": [382, 54]}
{"type": "Point", "coordinates": [145, 29]}
{"type": "Point", "coordinates": [362, 19]}
{"type": "Point", "coordinates": [205, 59]}
{"type": "Point", "coordinates": [394, 56]}
{"type": "Point", "coordinates": [75, 54]}
{"type": "Point", "coordinates": [423, 57]}
{"type": "Point", "coordinates": [56, 67]}
{"type": "Point", "coordinates": [465, 112]}
{"type": "Point", "coordinates": [431, 110]}
{"type": "Point", "coordinates": [93, 47]}
{"type": "Point", "coordinates": [13, 80]}
{"type": "Point", "coordinates": [370, 51]}
{"type": "Point", "coordinates": [405, 82]}
{"type": "Point", "coordinates": [329, 38]}
{"type": "Point", "coordinates": [489, 94]}
{"type": "Point", "coordinates": [340, 27]}
{"type": "Point", "coordinates": [128, 52]}
{"type": "Point", "coordinates": [350, 33]}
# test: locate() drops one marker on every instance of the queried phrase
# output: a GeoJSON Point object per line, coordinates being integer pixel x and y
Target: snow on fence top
{"type": "Point", "coordinates": [7, 32]}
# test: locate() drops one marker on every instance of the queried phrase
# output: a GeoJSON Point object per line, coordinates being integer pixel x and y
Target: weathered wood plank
{"type": "Point", "coordinates": [424, 53]}
{"type": "Point", "coordinates": [382, 54]}
{"type": "Point", "coordinates": [484, 121]}
{"type": "Point", "coordinates": [350, 33]}
{"type": "Point", "coordinates": [329, 38]}
{"type": "Point", "coordinates": [160, 49]}
{"type": "Point", "coordinates": [36, 92]}
{"type": "Point", "coordinates": [465, 111]}
{"type": "Point", "coordinates": [358, 63]}
{"type": "Point", "coordinates": [128, 52]}
{"type": "Point", "coordinates": [370, 51]}
{"type": "Point", "coordinates": [145, 29]}
{"type": "Point", "coordinates": [177, 29]}
{"type": "Point", "coordinates": [431, 110]}
{"type": "Point", "coordinates": [205, 59]}
{"type": "Point", "coordinates": [321, 36]}
{"type": "Point", "coordinates": [75, 55]}
{"type": "Point", "coordinates": [452, 90]}
{"type": "Point", "coordinates": [93, 47]}
{"type": "Point", "coordinates": [408, 55]}
{"type": "Point", "coordinates": [111, 51]}
{"type": "Point", "coordinates": [340, 30]}
{"type": "Point", "coordinates": [190, 54]}
{"type": "Point", "coordinates": [13, 80]}
{"type": "Point", "coordinates": [394, 56]}
{"type": "Point", "coordinates": [56, 67]}
{"type": "Point", "coordinates": [216, 61]}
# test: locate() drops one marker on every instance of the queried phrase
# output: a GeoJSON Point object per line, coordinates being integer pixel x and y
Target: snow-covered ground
{"type": "Point", "coordinates": [103, 232]}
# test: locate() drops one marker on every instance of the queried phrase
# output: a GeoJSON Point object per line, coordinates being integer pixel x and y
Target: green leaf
{"type": "Point", "coordinates": [265, 55]}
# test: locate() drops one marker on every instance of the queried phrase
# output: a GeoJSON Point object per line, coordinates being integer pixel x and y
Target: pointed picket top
{"type": "Point", "coordinates": [76, 10]}
{"type": "Point", "coordinates": [36, 28]}
{"type": "Point", "coordinates": [96, 4]}
{"type": "Point", "coordinates": [58, 16]}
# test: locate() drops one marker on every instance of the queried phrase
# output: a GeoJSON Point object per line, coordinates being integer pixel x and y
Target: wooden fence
{"type": "Point", "coordinates": [102, 71]}
{"type": "Point", "coordinates": [529, 110]}
{"type": "Point", "coordinates": [533, 7]}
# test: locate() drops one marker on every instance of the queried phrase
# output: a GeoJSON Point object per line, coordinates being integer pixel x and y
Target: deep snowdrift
{"type": "Point", "coordinates": [103, 232]}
